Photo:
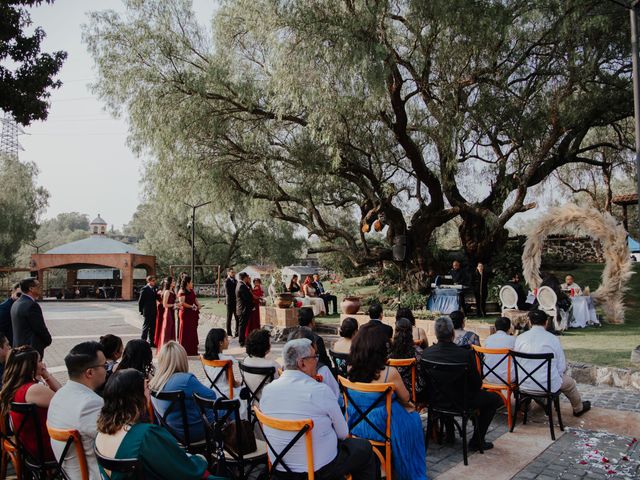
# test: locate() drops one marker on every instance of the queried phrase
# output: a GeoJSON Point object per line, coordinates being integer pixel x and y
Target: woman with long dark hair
{"type": "Point", "coordinates": [419, 335]}
{"type": "Point", "coordinates": [123, 433]}
{"type": "Point", "coordinates": [369, 353]}
{"type": "Point", "coordinates": [168, 332]}
{"type": "Point", "coordinates": [404, 347]}
{"type": "Point", "coordinates": [217, 341]}
{"type": "Point", "coordinates": [26, 380]}
{"type": "Point", "coordinates": [137, 354]}
{"type": "Point", "coordinates": [189, 315]}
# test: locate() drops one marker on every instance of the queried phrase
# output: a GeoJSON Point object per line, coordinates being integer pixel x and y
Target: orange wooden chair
{"type": "Point", "coordinates": [385, 392]}
{"type": "Point", "coordinates": [226, 366]}
{"type": "Point", "coordinates": [406, 363]}
{"type": "Point", "coordinates": [10, 452]}
{"type": "Point", "coordinates": [69, 438]}
{"type": "Point", "coordinates": [302, 428]}
{"type": "Point", "coordinates": [502, 386]}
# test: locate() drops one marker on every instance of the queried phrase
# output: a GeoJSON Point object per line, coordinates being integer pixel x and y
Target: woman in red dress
{"type": "Point", "coordinates": [169, 304]}
{"type": "Point", "coordinates": [254, 319]}
{"type": "Point", "coordinates": [159, 313]}
{"type": "Point", "coordinates": [189, 315]}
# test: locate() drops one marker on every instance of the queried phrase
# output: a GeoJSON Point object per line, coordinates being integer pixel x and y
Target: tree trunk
{"type": "Point", "coordinates": [480, 240]}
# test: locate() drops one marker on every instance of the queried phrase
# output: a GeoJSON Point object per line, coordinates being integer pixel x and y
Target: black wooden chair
{"type": "Point", "coordinates": [130, 468]}
{"type": "Point", "coordinates": [340, 362]}
{"type": "Point", "coordinates": [228, 461]}
{"type": "Point", "coordinates": [34, 462]}
{"type": "Point", "coordinates": [528, 388]}
{"type": "Point", "coordinates": [447, 399]}
{"type": "Point", "coordinates": [253, 396]}
{"type": "Point", "coordinates": [177, 402]}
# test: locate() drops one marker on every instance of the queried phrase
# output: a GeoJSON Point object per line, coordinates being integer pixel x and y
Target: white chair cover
{"type": "Point", "coordinates": [508, 298]}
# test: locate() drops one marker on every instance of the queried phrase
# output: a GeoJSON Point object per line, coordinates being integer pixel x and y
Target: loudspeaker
{"type": "Point", "coordinates": [399, 248]}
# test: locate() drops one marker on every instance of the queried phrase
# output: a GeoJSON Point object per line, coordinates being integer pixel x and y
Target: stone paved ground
{"type": "Point", "coordinates": [72, 323]}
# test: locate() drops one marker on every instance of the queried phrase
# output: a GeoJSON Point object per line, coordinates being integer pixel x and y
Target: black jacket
{"type": "Point", "coordinates": [147, 301]}
{"type": "Point", "coordinates": [384, 328]}
{"type": "Point", "coordinates": [230, 285]}
{"type": "Point", "coordinates": [5, 319]}
{"type": "Point", "coordinates": [244, 299]}
{"type": "Point", "coordinates": [449, 352]}
{"type": "Point", "coordinates": [28, 325]}
{"type": "Point", "coordinates": [459, 277]}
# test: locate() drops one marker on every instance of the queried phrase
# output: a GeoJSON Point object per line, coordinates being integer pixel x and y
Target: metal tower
{"type": "Point", "coordinates": [9, 144]}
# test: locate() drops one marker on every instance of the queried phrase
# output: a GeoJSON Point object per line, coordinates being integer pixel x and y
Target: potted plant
{"type": "Point", "coordinates": [283, 299]}
{"type": "Point", "coordinates": [350, 302]}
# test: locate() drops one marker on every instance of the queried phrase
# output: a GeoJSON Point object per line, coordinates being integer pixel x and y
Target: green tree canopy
{"type": "Point", "coordinates": [332, 113]}
{"type": "Point", "coordinates": [21, 203]}
{"type": "Point", "coordinates": [26, 73]}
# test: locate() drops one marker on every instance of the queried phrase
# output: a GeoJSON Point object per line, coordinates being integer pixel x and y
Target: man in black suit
{"type": "Point", "coordinates": [324, 295]}
{"type": "Point", "coordinates": [5, 313]}
{"type": "Point", "coordinates": [244, 304]}
{"type": "Point", "coordinates": [375, 317]}
{"type": "Point", "coordinates": [230, 285]}
{"type": "Point", "coordinates": [448, 352]}
{"type": "Point", "coordinates": [148, 309]}
{"type": "Point", "coordinates": [27, 319]}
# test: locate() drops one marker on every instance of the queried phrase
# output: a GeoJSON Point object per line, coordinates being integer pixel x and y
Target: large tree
{"type": "Point", "coordinates": [21, 203]}
{"type": "Point", "coordinates": [338, 112]}
{"type": "Point", "coordinates": [26, 73]}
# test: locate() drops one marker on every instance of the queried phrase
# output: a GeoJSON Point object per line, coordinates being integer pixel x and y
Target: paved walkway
{"type": "Point", "coordinates": [601, 444]}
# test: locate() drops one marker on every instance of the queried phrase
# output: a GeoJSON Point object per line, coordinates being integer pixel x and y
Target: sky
{"type": "Point", "coordinates": [80, 149]}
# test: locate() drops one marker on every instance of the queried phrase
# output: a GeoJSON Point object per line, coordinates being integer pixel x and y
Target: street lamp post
{"type": "Point", "coordinates": [193, 235]}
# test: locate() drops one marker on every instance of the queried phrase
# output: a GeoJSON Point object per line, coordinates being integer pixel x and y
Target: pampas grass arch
{"type": "Point", "coordinates": [591, 222]}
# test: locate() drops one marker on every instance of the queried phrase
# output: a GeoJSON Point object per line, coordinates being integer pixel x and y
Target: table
{"type": "Point", "coordinates": [444, 300]}
{"type": "Point", "coordinates": [583, 312]}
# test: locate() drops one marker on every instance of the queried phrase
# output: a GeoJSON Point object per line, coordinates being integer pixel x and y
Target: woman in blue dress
{"type": "Point", "coordinates": [369, 353]}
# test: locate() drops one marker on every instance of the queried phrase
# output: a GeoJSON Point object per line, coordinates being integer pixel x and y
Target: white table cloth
{"type": "Point", "coordinates": [583, 312]}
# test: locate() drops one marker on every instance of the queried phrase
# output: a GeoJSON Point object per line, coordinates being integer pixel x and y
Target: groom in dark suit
{"type": "Point", "coordinates": [324, 295]}
{"type": "Point", "coordinates": [230, 285]}
{"type": "Point", "coordinates": [148, 308]}
{"type": "Point", "coordinates": [27, 319]}
{"type": "Point", "coordinates": [244, 304]}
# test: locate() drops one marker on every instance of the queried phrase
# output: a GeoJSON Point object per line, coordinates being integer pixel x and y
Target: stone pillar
{"type": "Point", "coordinates": [72, 278]}
{"type": "Point", "coordinates": [41, 280]}
{"type": "Point", "coordinates": [127, 281]}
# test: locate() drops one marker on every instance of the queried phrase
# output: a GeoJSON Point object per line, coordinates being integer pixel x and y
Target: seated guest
{"type": "Point", "coordinates": [463, 338]}
{"type": "Point", "coordinates": [312, 296]}
{"type": "Point", "coordinates": [297, 395]}
{"type": "Point", "coordinates": [375, 318]}
{"type": "Point", "coordinates": [571, 286]}
{"type": "Point", "coordinates": [173, 374]}
{"type": "Point", "coordinates": [76, 406]}
{"type": "Point", "coordinates": [112, 348]}
{"type": "Point", "coordinates": [500, 339]}
{"type": "Point", "coordinates": [322, 368]}
{"type": "Point", "coordinates": [122, 432]}
{"type": "Point", "coordinates": [486, 402]}
{"type": "Point", "coordinates": [522, 294]}
{"type": "Point", "coordinates": [26, 380]}
{"type": "Point", "coordinates": [258, 347]}
{"type": "Point", "coordinates": [419, 335]}
{"type": "Point", "coordinates": [5, 312]}
{"type": "Point", "coordinates": [368, 365]}
{"type": "Point", "coordinates": [539, 340]}
{"type": "Point", "coordinates": [403, 347]}
{"type": "Point", "coordinates": [348, 330]}
{"type": "Point", "coordinates": [294, 287]}
{"type": "Point", "coordinates": [5, 348]}
{"type": "Point", "coordinates": [326, 296]}
{"type": "Point", "coordinates": [137, 354]}
{"type": "Point", "coordinates": [217, 341]}
{"type": "Point", "coordinates": [305, 319]}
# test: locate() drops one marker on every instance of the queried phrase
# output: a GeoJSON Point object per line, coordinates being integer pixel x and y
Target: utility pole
{"type": "Point", "coordinates": [38, 247]}
{"type": "Point", "coordinates": [193, 235]}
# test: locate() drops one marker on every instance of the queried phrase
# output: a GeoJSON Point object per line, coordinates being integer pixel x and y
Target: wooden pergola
{"type": "Point", "coordinates": [624, 201]}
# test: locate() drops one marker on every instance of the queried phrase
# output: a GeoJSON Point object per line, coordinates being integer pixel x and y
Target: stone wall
{"type": "Point", "coordinates": [567, 249]}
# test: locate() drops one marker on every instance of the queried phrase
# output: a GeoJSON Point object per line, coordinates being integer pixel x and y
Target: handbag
{"type": "Point", "coordinates": [230, 437]}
